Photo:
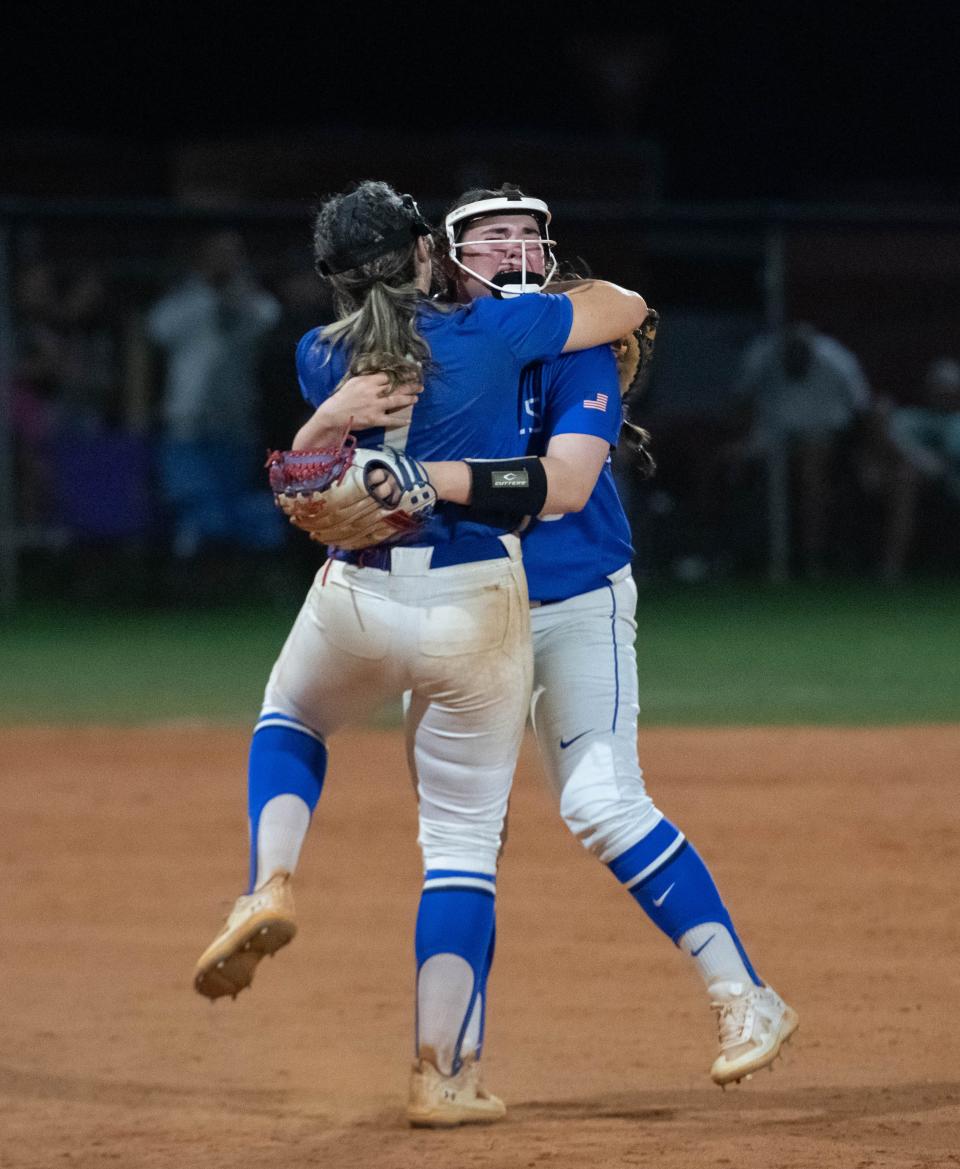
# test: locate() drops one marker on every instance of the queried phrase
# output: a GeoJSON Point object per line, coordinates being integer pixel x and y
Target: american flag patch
{"type": "Point", "coordinates": [597, 403]}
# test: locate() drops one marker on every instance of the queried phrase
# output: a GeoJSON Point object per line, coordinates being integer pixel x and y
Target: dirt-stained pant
{"type": "Point", "coordinates": [456, 637]}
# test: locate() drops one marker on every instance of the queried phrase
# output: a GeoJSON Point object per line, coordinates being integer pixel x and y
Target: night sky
{"type": "Point", "coordinates": [745, 100]}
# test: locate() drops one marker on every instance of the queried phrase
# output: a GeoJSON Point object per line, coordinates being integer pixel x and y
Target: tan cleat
{"type": "Point", "coordinates": [754, 1023]}
{"type": "Point", "coordinates": [439, 1101]}
{"type": "Point", "coordinates": [259, 924]}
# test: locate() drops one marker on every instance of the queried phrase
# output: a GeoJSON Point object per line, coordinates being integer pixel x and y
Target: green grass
{"type": "Point", "coordinates": [835, 654]}
{"type": "Point", "coordinates": [843, 654]}
{"type": "Point", "coordinates": [89, 665]}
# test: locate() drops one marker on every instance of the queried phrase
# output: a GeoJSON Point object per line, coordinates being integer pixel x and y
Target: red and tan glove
{"type": "Point", "coordinates": [352, 497]}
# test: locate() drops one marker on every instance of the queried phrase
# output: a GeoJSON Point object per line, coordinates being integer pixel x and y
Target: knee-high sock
{"type": "Point", "coordinates": [454, 949]}
{"type": "Point", "coordinates": [666, 877]}
{"type": "Point", "coordinates": [288, 762]}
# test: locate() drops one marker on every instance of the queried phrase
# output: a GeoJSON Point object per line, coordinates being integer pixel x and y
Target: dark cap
{"type": "Point", "coordinates": [365, 228]}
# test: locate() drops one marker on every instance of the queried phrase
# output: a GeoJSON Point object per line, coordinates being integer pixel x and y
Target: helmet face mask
{"type": "Point", "coordinates": [513, 282]}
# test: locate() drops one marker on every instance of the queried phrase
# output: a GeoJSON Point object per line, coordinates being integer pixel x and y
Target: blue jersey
{"type": "Point", "coordinates": [564, 556]}
{"type": "Point", "coordinates": [472, 405]}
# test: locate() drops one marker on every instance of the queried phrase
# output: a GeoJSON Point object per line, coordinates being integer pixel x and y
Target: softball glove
{"type": "Point", "coordinates": [634, 354]}
{"type": "Point", "coordinates": [352, 497]}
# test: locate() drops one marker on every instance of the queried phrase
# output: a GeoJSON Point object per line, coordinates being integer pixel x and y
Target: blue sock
{"type": "Point", "coordinates": [286, 758]}
{"type": "Point", "coordinates": [666, 877]}
{"type": "Point", "coordinates": [456, 917]}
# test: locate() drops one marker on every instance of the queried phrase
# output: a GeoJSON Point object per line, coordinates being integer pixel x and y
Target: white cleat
{"type": "Point", "coordinates": [259, 924]}
{"type": "Point", "coordinates": [439, 1101]}
{"type": "Point", "coordinates": [754, 1023]}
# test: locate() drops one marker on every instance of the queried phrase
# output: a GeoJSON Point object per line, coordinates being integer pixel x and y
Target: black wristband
{"type": "Point", "coordinates": [505, 491]}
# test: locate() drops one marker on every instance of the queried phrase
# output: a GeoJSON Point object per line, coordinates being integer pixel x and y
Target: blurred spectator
{"type": "Point", "coordinates": [39, 323]}
{"type": "Point", "coordinates": [90, 376]}
{"type": "Point", "coordinates": [102, 486]}
{"type": "Point", "coordinates": [211, 328]}
{"type": "Point", "coordinates": [803, 393]}
{"type": "Point", "coordinates": [926, 439]}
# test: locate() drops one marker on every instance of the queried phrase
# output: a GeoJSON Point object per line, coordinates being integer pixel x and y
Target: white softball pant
{"type": "Point", "coordinates": [584, 711]}
{"type": "Point", "coordinates": [456, 637]}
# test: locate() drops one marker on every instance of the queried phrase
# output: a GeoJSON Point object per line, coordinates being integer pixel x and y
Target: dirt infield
{"type": "Point", "coordinates": [837, 851]}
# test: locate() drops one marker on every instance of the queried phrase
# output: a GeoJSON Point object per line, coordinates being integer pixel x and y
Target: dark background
{"type": "Point", "coordinates": [743, 100]}
{"type": "Point", "coordinates": [741, 164]}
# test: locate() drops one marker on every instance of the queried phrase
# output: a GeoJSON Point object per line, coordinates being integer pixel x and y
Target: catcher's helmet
{"type": "Point", "coordinates": [509, 202]}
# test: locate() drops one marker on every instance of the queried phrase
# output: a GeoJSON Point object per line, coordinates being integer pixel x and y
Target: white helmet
{"type": "Point", "coordinates": [506, 284]}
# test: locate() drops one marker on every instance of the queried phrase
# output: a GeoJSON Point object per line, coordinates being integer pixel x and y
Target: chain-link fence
{"type": "Point", "coordinates": [85, 505]}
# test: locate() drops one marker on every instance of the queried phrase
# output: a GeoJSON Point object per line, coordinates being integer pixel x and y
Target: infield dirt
{"type": "Point", "coordinates": [836, 850]}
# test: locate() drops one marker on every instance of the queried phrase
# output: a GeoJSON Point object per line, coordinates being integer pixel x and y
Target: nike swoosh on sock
{"type": "Point", "coordinates": [700, 949]}
{"type": "Point", "coordinates": [658, 901]}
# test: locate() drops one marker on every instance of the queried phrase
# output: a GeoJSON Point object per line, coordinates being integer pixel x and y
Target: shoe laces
{"type": "Point", "coordinates": [735, 1018]}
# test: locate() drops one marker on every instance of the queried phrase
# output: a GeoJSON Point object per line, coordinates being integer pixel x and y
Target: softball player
{"type": "Point", "coordinates": [444, 616]}
{"type": "Point", "coordinates": [584, 704]}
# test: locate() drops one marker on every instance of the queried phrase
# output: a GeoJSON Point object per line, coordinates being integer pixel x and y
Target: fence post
{"type": "Point", "coordinates": [778, 456]}
{"type": "Point", "coordinates": [9, 550]}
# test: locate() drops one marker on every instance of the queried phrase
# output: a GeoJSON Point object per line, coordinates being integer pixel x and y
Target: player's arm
{"type": "Point", "coordinates": [573, 463]}
{"type": "Point", "coordinates": [176, 316]}
{"type": "Point", "coordinates": [498, 489]}
{"type": "Point", "coordinates": [360, 403]}
{"type": "Point", "coordinates": [602, 313]}
{"type": "Point", "coordinates": [908, 432]}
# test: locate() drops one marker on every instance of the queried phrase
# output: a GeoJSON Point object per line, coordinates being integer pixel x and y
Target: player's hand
{"type": "Point", "coordinates": [372, 400]}
{"type": "Point", "coordinates": [382, 486]}
{"type": "Point", "coordinates": [360, 402]}
{"type": "Point", "coordinates": [329, 493]}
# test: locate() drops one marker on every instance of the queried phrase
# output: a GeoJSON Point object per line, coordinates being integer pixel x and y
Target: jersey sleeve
{"type": "Point", "coordinates": [583, 395]}
{"type": "Point", "coordinates": [318, 369]}
{"type": "Point", "coordinates": [534, 326]}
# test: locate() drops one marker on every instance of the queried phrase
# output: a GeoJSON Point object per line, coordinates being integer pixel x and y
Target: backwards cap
{"type": "Point", "coordinates": [364, 229]}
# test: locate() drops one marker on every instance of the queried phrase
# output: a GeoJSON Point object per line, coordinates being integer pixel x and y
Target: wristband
{"type": "Point", "coordinates": [505, 491]}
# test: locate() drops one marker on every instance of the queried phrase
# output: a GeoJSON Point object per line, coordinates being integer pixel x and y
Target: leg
{"type": "Point", "coordinates": [285, 777]}
{"type": "Point", "coordinates": [814, 459]}
{"type": "Point", "coordinates": [777, 460]}
{"type": "Point", "coordinates": [464, 724]}
{"type": "Point", "coordinates": [438, 925]}
{"type": "Point", "coordinates": [904, 491]}
{"type": "Point", "coordinates": [286, 771]}
{"type": "Point", "coordinates": [188, 485]}
{"type": "Point", "coordinates": [584, 713]}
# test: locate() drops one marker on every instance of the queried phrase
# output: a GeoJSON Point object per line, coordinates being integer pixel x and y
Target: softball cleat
{"type": "Point", "coordinates": [259, 924]}
{"type": "Point", "coordinates": [439, 1101]}
{"type": "Point", "coordinates": [753, 1023]}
